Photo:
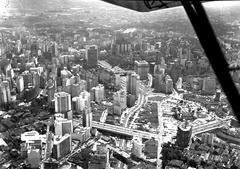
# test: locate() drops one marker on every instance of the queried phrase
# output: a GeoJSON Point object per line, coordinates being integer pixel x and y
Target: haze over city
{"type": "Point", "coordinates": [87, 84]}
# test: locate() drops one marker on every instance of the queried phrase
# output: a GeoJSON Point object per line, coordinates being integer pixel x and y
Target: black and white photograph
{"type": "Point", "coordinates": [119, 84]}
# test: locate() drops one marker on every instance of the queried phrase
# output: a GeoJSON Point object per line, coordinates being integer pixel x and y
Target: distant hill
{"type": "Point", "coordinates": [172, 19]}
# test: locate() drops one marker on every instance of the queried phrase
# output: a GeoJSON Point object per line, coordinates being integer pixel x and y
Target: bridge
{"type": "Point", "coordinates": [209, 126]}
{"type": "Point", "coordinates": [123, 130]}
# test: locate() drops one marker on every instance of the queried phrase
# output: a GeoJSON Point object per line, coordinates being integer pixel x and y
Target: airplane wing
{"type": "Point", "coordinates": [147, 5]}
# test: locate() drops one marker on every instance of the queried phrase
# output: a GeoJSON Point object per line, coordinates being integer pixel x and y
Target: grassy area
{"type": "Point", "coordinates": [149, 115]}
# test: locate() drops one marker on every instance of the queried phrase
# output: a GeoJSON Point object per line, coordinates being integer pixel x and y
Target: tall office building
{"type": "Point", "coordinates": [119, 101]}
{"type": "Point", "coordinates": [34, 48]}
{"type": "Point", "coordinates": [209, 85]}
{"type": "Point", "coordinates": [63, 126]}
{"type": "Point", "coordinates": [27, 78]}
{"type": "Point", "coordinates": [83, 85]}
{"type": "Point", "coordinates": [117, 81]}
{"type": "Point", "coordinates": [133, 84]}
{"type": "Point", "coordinates": [20, 84]}
{"type": "Point", "coordinates": [78, 104]}
{"type": "Point", "coordinates": [62, 102]}
{"type": "Point", "coordinates": [92, 55]}
{"type": "Point", "coordinates": [151, 67]}
{"type": "Point", "coordinates": [169, 85]}
{"type": "Point", "coordinates": [67, 86]}
{"type": "Point", "coordinates": [87, 117]}
{"type": "Point", "coordinates": [99, 93]}
{"type": "Point", "coordinates": [84, 102]}
{"type": "Point", "coordinates": [5, 94]}
{"type": "Point", "coordinates": [142, 69]}
{"type": "Point", "coordinates": [50, 93]}
{"type": "Point", "coordinates": [131, 100]}
{"type": "Point", "coordinates": [61, 146]}
{"type": "Point", "coordinates": [85, 97]}
{"type": "Point", "coordinates": [78, 87]}
{"type": "Point", "coordinates": [35, 79]}
{"type": "Point", "coordinates": [184, 134]}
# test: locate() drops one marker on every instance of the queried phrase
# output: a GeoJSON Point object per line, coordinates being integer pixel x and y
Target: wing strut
{"type": "Point", "coordinates": [208, 40]}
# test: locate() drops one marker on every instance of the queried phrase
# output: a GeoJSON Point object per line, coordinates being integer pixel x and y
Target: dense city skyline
{"type": "Point", "coordinates": [87, 86]}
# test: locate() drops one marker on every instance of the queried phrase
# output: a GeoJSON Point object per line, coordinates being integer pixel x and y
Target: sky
{"type": "Point", "coordinates": [222, 4]}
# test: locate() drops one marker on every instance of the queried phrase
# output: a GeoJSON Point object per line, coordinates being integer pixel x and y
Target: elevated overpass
{"type": "Point", "coordinates": [198, 129]}
{"type": "Point", "coordinates": [123, 130]}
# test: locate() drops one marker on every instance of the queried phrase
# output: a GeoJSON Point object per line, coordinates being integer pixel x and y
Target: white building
{"type": "Point", "coordinates": [63, 126]}
{"type": "Point", "coordinates": [62, 146]}
{"type": "Point", "coordinates": [99, 93]}
{"type": "Point", "coordinates": [20, 84]}
{"type": "Point", "coordinates": [62, 102]}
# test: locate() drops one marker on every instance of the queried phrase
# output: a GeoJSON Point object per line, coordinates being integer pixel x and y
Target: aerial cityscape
{"type": "Point", "coordinates": [85, 84]}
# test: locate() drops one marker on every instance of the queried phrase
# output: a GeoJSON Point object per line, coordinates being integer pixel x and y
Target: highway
{"type": "Point", "coordinates": [123, 130]}
{"type": "Point", "coordinates": [160, 131]}
{"type": "Point", "coordinates": [133, 110]}
{"type": "Point", "coordinates": [130, 112]}
{"type": "Point", "coordinates": [125, 122]}
{"type": "Point", "coordinates": [198, 129]}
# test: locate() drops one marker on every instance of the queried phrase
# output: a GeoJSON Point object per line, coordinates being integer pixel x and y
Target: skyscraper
{"type": "Point", "coordinates": [119, 101]}
{"type": "Point", "coordinates": [133, 84]}
{"type": "Point", "coordinates": [87, 114]}
{"type": "Point", "coordinates": [87, 117]}
{"type": "Point", "coordinates": [142, 69]}
{"type": "Point", "coordinates": [5, 92]}
{"type": "Point", "coordinates": [27, 78]}
{"type": "Point", "coordinates": [61, 146]}
{"type": "Point", "coordinates": [62, 102]}
{"type": "Point", "coordinates": [50, 93]}
{"type": "Point", "coordinates": [184, 134]}
{"type": "Point", "coordinates": [169, 85]}
{"type": "Point", "coordinates": [63, 126]}
{"type": "Point", "coordinates": [20, 84]}
{"type": "Point", "coordinates": [92, 56]}
{"type": "Point", "coordinates": [99, 93]}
